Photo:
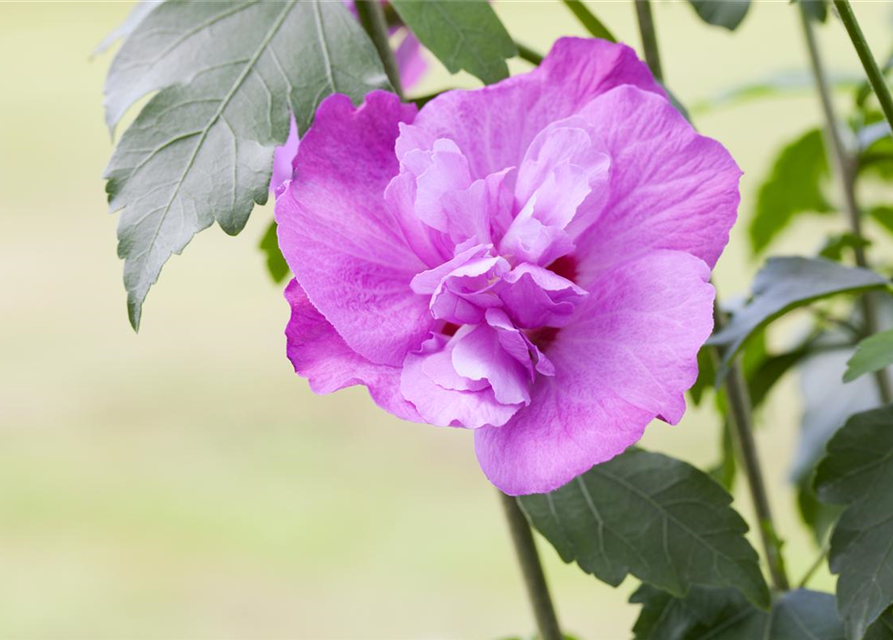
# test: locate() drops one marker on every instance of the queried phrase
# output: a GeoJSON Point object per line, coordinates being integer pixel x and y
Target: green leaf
{"type": "Point", "coordinates": [462, 34]}
{"type": "Point", "coordinates": [722, 13]}
{"type": "Point", "coordinates": [883, 215]}
{"type": "Point", "coordinates": [660, 519]}
{"type": "Point", "coordinates": [276, 264]}
{"type": "Point", "coordinates": [793, 187]}
{"type": "Point", "coordinates": [882, 629]}
{"type": "Point", "coordinates": [589, 20]}
{"type": "Point", "coordinates": [782, 285]}
{"type": "Point", "coordinates": [834, 246]}
{"type": "Point", "coordinates": [721, 614]}
{"type": "Point", "coordinates": [858, 473]}
{"type": "Point", "coordinates": [872, 354]}
{"type": "Point", "coordinates": [201, 150]}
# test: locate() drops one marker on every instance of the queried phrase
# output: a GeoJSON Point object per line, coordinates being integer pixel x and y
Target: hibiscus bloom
{"type": "Point", "coordinates": [529, 260]}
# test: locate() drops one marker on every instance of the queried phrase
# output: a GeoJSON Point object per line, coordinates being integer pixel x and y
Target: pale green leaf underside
{"type": "Point", "coordinates": [201, 150]}
{"type": "Point", "coordinates": [784, 284]}
{"type": "Point", "coordinates": [658, 518]}
{"type": "Point", "coordinates": [858, 472]}
{"type": "Point", "coordinates": [463, 34]}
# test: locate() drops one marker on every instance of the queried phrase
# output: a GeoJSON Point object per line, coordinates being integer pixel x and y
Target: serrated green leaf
{"type": "Point", "coordinates": [276, 265]}
{"type": "Point", "coordinates": [872, 354]}
{"type": "Point", "coordinates": [722, 614]}
{"type": "Point", "coordinates": [858, 472]}
{"type": "Point", "coordinates": [793, 187]}
{"type": "Point", "coordinates": [721, 13]}
{"type": "Point", "coordinates": [201, 150]}
{"type": "Point", "coordinates": [465, 34]}
{"type": "Point", "coordinates": [658, 518]}
{"type": "Point", "coordinates": [782, 285]}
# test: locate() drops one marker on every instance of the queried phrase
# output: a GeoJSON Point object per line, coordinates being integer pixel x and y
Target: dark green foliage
{"type": "Point", "coordinates": [658, 518]}
{"type": "Point", "coordinates": [463, 35]}
{"type": "Point", "coordinates": [794, 186]}
{"type": "Point", "coordinates": [722, 614]}
{"type": "Point", "coordinates": [858, 472]}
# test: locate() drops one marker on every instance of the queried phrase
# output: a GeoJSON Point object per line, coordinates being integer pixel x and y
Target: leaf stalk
{"type": "Point", "coordinates": [846, 165]}
{"type": "Point", "coordinates": [875, 76]}
{"type": "Point", "coordinates": [373, 19]}
{"type": "Point", "coordinates": [531, 569]}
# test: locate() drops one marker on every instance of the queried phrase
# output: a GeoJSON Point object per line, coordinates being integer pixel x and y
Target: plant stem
{"type": "Point", "coordinates": [532, 570]}
{"type": "Point", "coordinates": [740, 419]}
{"type": "Point", "coordinates": [875, 77]}
{"type": "Point", "coordinates": [374, 22]}
{"type": "Point", "coordinates": [845, 164]}
{"type": "Point", "coordinates": [649, 38]}
{"type": "Point", "coordinates": [587, 19]}
{"type": "Point", "coordinates": [528, 54]}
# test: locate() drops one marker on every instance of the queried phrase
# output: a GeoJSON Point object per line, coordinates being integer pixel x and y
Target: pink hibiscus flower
{"type": "Point", "coordinates": [529, 260]}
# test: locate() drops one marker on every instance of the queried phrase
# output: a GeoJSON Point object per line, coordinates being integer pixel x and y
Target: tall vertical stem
{"type": "Point", "coordinates": [741, 422]}
{"type": "Point", "coordinates": [845, 165]}
{"type": "Point", "coordinates": [649, 38]}
{"type": "Point", "coordinates": [740, 417]}
{"type": "Point", "coordinates": [875, 77]}
{"type": "Point", "coordinates": [374, 22]}
{"type": "Point", "coordinates": [532, 570]}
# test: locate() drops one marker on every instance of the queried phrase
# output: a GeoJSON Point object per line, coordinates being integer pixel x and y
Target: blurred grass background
{"type": "Point", "coordinates": [184, 483]}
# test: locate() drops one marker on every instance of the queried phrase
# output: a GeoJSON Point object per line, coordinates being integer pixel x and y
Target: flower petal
{"type": "Point", "coordinates": [338, 236]}
{"type": "Point", "coordinates": [670, 187]}
{"type": "Point", "coordinates": [319, 354]}
{"type": "Point", "coordinates": [493, 126]}
{"type": "Point", "coordinates": [443, 397]}
{"type": "Point", "coordinates": [628, 359]}
{"type": "Point", "coordinates": [535, 297]}
{"type": "Point", "coordinates": [283, 158]}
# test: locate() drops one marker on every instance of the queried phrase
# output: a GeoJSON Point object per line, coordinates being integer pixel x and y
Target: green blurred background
{"type": "Point", "coordinates": [184, 483]}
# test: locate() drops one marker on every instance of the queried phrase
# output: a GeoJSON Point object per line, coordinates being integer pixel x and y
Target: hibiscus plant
{"type": "Point", "coordinates": [531, 260]}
